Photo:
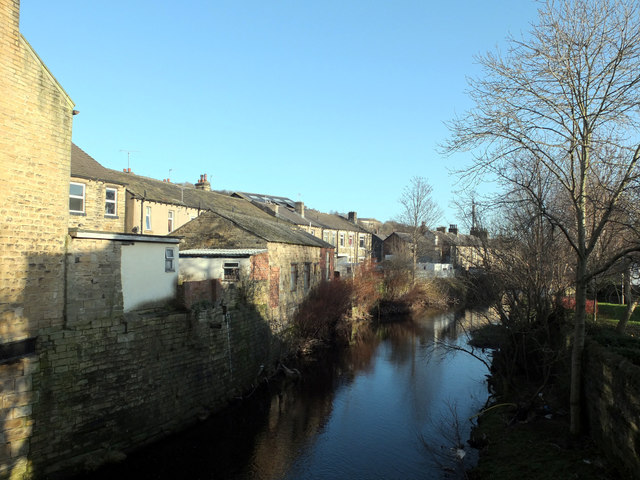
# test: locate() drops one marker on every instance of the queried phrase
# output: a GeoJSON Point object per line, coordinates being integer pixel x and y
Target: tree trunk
{"type": "Point", "coordinates": [577, 350]}
{"type": "Point", "coordinates": [632, 301]}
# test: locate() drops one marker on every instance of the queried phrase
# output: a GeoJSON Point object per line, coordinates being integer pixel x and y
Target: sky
{"type": "Point", "coordinates": [333, 103]}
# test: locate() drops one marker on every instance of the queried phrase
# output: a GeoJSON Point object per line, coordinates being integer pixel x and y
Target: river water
{"type": "Point", "coordinates": [395, 405]}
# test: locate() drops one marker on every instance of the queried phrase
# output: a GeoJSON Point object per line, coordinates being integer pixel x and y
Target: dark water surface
{"type": "Point", "coordinates": [379, 410]}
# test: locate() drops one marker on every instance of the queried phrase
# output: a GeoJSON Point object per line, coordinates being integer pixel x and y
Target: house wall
{"type": "Point", "coordinates": [35, 151]}
{"type": "Point", "coordinates": [353, 251]}
{"type": "Point", "coordinates": [94, 286]}
{"type": "Point", "coordinates": [145, 282]}
{"type": "Point", "coordinates": [205, 268]}
{"type": "Point", "coordinates": [281, 257]}
{"type": "Point", "coordinates": [159, 216]}
{"type": "Point", "coordinates": [94, 217]}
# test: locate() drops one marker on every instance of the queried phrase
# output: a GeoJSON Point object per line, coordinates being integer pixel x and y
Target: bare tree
{"type": "Point", "coordinates": [419, 212]}
{"type": "Point", "coordinates": [559, 111]}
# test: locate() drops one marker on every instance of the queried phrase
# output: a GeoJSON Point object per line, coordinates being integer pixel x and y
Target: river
{"type": "Point", "coordinates": [386, 408]}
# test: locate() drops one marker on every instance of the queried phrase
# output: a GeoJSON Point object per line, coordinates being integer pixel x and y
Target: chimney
{"type": "Point", "coordinates": [203, 184]}
{"type": "Point", "coordinates": [441, 229]}
{"type": "Point", "coordinates": [276, 209]}
{"type": "Point", "coordinates": [299, 207]}
{"type": "Point", "coordinates": [353, 217]}
{"type": "Point", "coordinates": [453, 228]}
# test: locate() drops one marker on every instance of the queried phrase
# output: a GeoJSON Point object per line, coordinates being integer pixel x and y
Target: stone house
{"type": "Point", "coordinates": [35, 143]}
{"type": "Point", "coordinates": [283, 264]}
{"type": "Point", "coordinates": [461, 250]}
{"type": "Point", "coordinates": [285, 209]}
{"type": "Point", "coordinates": [353, 243]}
{"type": "Point", "coordinates": [94, 202]}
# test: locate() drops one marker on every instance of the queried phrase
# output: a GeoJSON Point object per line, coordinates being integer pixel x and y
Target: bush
{"type": "Point", "coordinates": [323, 309]}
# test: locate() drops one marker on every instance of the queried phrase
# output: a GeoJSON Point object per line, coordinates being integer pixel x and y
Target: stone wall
{"type": "Point", "coordinates": [110, 385]}
{"type": "Point", "coordinates": [35, 146]}
{"type": "Point", "coordinates": [281, 257]}
{"type": "Point", "coordinates": [612, 398]}
{"type": "Point", "coordinates": [35, 151]}
{"type": "Point", "coordinates": [94, 217]}
{"type": "Point", "coordinates": [94, 287]}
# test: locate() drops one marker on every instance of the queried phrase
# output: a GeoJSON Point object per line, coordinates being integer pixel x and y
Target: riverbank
{"type": "Point", "coordinates": [535, 443]}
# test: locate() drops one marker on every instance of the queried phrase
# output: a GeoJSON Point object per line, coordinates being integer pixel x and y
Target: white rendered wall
{"type": "Point", "coordinates": [194, 269]}
{"type": "Point", "coordinates": [144, 280]}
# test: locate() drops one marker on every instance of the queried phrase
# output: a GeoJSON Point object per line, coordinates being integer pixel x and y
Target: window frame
{"type": "Point", "coordinates": [361, 241]}
{"type": "Point", "coordinates": [113, 202]}
{"type": "Point", "coordinates": [307, 276]}
{"type": "Point", "coordinates": [233, 273]}
{"type": "Point", "coordinates": [342, 239]}
{"type": "Point", "coordinates": [170, 221]}
{"type": "Point", "coordinates": [82, 197]}
{"type": "Point", "coordinates": [169, 260]}
{"type": "Point", "coordinates": [293, 277]}
{"type": "Point", "coordinates": [147, 218]}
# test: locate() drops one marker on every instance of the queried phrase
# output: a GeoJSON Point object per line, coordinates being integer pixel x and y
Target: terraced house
{"type": "Point", "coordinates": [353, 243]}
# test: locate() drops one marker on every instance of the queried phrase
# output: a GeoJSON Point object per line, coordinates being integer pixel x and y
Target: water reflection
{"type": "Point", "coordinates": [365, 413]}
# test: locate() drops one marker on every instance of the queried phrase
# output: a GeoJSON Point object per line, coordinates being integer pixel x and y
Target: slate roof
{"type": "Point", "coordinates": [262, 198]}
{"type": "Point", "coordinates": [222, 252]}
{"type": "Point", "coordinates": [84, 166]}
{"type": "Point", "coordinates": [241, 212]}
{"type": "Point", "coordinates": [333, 221]}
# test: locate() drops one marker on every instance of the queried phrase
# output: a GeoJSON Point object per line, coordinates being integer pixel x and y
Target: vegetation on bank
{"type": "Point", "coordinates": [525, 431]}
{"type": "Point", "coordinates": [334, 312]}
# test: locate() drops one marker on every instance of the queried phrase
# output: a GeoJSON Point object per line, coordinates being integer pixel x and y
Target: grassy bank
{"type": "Point", "coordinates": [530, 439]}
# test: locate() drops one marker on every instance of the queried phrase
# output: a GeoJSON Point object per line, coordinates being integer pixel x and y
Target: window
{"type": "Point", "coordinates": [147, 220]}
{"type": "Point", "coordinates": [361, 241]}
{"type": "Point", "coordinates": [294, 276]}
{"type": "Point", "coordinates": [169, 265]}
{"type": "Point", "coordinates": [328, 266]}
{"type": "Point", "coordinates": [231, 271]}
{"type": "Point", "coordinates": [313, 232]}
{"type": "Point", "coordinates": [342, 239]}
{"type": "Point", "coordinates": [307, 276]}
{"type": "Point", "coordinates": [170, 222]}
{"type": "Point", "coordinates": [325, 236]}
{"type": "Point", "coordinates": [111, 202]}
{"type": "Point", "coordinates": [76, 197]}
{"type": "Point", "coordinates": [350, 239]}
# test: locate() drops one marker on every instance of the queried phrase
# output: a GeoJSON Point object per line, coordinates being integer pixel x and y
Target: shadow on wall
{"type": "Point", "coordinates": [30, 301]}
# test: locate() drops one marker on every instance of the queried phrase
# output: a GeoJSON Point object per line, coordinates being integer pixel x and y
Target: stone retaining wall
{"type": "Point", "coordinates": [612, 398]}
{"type": "Point", "coordinates": [111, 385]}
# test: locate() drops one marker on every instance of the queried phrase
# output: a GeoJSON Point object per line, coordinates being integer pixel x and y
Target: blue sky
{"type": "Point", "coordinates": [335, 103]}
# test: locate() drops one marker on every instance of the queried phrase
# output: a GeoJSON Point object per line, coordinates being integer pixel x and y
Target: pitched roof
{"type": "Point", "coordinates": [332, 221]}
{"type": "Point", "coordinates": [263, 198]}
{"type": "Point", "coordinates": [215, 229]}
{"type": "Point", "coordinates": [222, 252]}
{"type": "Point", "coordinates": [240, 212]}
{"type": "Point", "coordinates": [84, 166]}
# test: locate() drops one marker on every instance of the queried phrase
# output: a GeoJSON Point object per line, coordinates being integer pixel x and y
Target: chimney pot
{"type": "Point", "coordinates": [203, 184]}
